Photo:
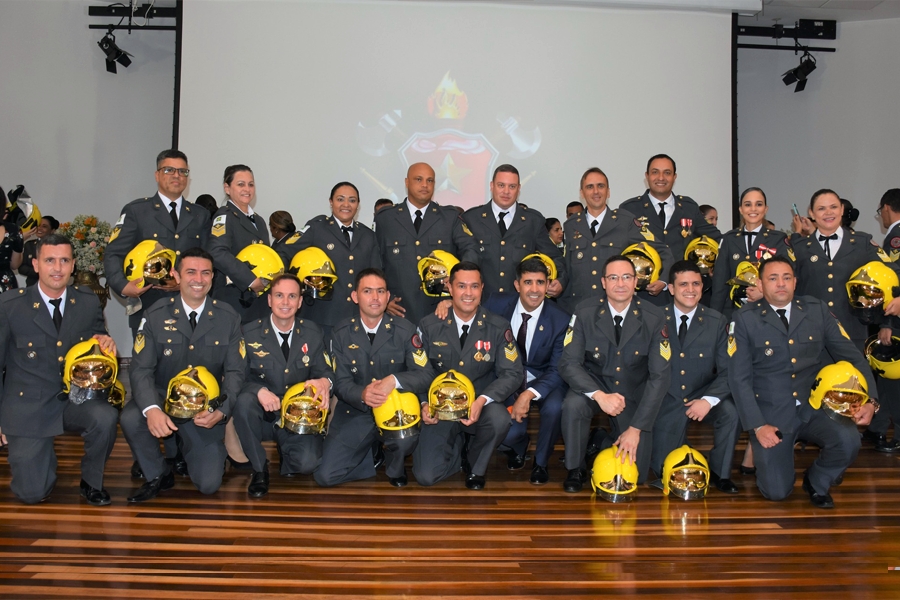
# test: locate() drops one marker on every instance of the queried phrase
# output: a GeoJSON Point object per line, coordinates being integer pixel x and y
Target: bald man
{"type": "Point", "coordinates": [411, 230]}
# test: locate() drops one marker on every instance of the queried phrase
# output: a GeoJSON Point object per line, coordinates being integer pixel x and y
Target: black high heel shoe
{"type": "Point", "coordinates": [748, 470]}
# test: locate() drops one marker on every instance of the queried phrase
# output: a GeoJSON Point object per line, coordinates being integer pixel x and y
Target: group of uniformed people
{"type": "Point", "coordinates": [435, 335]}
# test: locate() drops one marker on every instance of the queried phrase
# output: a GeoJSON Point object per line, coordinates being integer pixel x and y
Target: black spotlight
{"type": "Point", "coordinates": [113, 53]}
{"type": "Point", "coordinates": [799, 74]}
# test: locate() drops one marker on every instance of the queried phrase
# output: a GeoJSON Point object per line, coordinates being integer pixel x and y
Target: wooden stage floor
{"type": "Point", "coordinates": [511, 540]}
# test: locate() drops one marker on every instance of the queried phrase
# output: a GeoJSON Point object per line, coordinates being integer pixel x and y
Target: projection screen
{"type": "Point", "coordinates": [312, 93]}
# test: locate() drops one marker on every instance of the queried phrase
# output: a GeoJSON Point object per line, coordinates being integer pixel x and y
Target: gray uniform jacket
{"type": "Point", "coordinates": [496, 377]}
{"type": "Point", "coordinates": [638, 368]}
{"type": "Point", "coordinates": [33, 354]}
{"type": "Point", "coordinates": [500, 255]}
{"type": "Point", "coordinates": [231, 232]}
{"type": "Point", "coordinates": [771, 368]}
{"type": "Point", "coordinates": [675, 235]}
{"type": "Point", "coordinates": [732, 251]}
{"type": "Point", "coordinates": [700, 366]}
{"type": "Point", "coordinates": [401, 249]}
{"type": "Point", "coordinates": [349, 259]}
{"type": "Point", "coordinates": [165, 346]}
{"type": "Point", "coordinates": [266, 365]}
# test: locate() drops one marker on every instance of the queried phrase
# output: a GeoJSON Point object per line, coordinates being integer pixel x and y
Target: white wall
{"type": "Point", "coordinates": [81, 140]}
{"type": "Point", "coordinates": [842, 132]}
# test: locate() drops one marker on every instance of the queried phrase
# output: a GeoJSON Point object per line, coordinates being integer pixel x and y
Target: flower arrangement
{"type": "Point", "coordinates": [89, 236]}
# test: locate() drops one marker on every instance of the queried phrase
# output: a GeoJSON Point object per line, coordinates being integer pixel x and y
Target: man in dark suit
{"type": "Point", "coordinates": [374, 354]}
{"type": "Point", "coordinates": [506, 232]}
{"type": "Point", "coordinates": [411, 230]}
{"type": "Point", "coordinates": [38, 326]}
{"type": "Point", "coordinates": [154, 218]}
{"type": "Point", "coordinates": [480, 345]}
{"type": "Point", "coordinates": [597, 233]}
{"type": "Point", "coordinates": [616, 360]}
{"type": "Point", "coordinates": [190, 329]}
{"type": "Point", "coordinates": [282, 350]}
{"type": "Point", "coordinates": [539, 327]}
{"type": "Point", "coordinates": [699, 386]}
{"type": "Point", "coordinates": [775, 347]}
{"type": "Point", "coordinates": [673, 220]}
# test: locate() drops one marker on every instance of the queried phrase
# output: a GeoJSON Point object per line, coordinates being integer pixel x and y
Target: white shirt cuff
{"type": "Point", "coordinates": [396, 383]}
{"type": "Point", "coordinates": [712, 400]}
{"type": "Point", "coordinates": [148, 409]}
{"type": "Point", "coordinates": [591, 395]}
{"type": "Point", "coordinates": [535, 392]}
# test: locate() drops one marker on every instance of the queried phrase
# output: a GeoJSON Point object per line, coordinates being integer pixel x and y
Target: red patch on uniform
{"type": "Point", "coordinates": [787, 241]}
{"type": "Point", "coordinates": [509, 336]}
{"type": "Point", "coordinates": [665, 331]}
{"type": "Point", "coordinates": [416, 341]}
{"type": "Point", "coordinates": [895, 242]}
{"type": "Point", "coordinates": [638, 223]}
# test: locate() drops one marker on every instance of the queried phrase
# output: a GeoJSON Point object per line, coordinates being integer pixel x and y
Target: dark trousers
{"type": "Point", "coordinates": [549, 430]}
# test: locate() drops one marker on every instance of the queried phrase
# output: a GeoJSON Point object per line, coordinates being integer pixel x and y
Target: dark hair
{"type": "Point", "coordinates": [822, 192]}
{"type": "Point", "coordinates": [665, 156]}
{"type": "Point", "coordinates": [752, 189]}
{"type": "Point", "coordinates": [891, 198]}
{"type": "Point", "coordinates": [683, 266]}
{"type": "Point", "coordinates": [383, 202]}
{"type": "Point", "coordinates": [778, 258]}
{"type": "Point", "coordinates": [706, 208]}
{"type": "Point", "coordinates": [596, 170]}
{"type": "Point", "coordinates": [532, 265]}
{"type": "Point", "coordinates": [366, 273]}
{"type": "Point", "coordinates": [340, 185]}
{"type": "Point", "coordinates": [195, 252]}
{"type": "Point", "coordinates": [53, 239]}
{"type": "Point", "coordinates": [54, 224]}
{"type": "Point", "coordinates": [549, 223]}
{"type": "Point", "coordinates": [504, 169]}
{"type": "Point", "coordinates": [230, 171]}
{"type": "Point", "coordinates": [464, 266]}
{"type": "Point", "coordinates": [617, 258]}
{"type": "Point", "coordinates": [178, 154]}
{"type": "Point", "coordinates": [283, 220]}
{"type": "Point", "coordinates": [850, 214]}
{"type": "Point", "coordinates": [208, 202]}
{"type": "Point", "coordinates": [285, 277]}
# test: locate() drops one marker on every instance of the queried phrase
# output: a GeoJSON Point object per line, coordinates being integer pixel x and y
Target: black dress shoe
{"type": "Point", "coordinates": [514, 461]}
{"type": "Point", "coordinates": [399, 481]}
{"type": "Point", "coordinates": [178, 465]}
{"type": "Point", "coordinates": [883, 444]}
{"type": "Point", "coordinates": [839, 480]}
{"type": "Point", "coordinates": [259, 484]}
{"type": "Point", "coordinates": [817, 500]}
{"type": "Point", "coordinates": [152, 488]}
{"type": "Point", "coordinates": [475, 482]}
{"type": "Point", "coordinates": [870, 436]}
{"type": "Point", "coordinates": [539, 475]}
{"type": "Point", "coordinates": [93, 495]}
{"type": "Point", "coordinates": [575, 480]}
{"type": "Point", "coordinates": [723, 485]}
{"type": "Point", "coordinates": [748, 470]}
{"type": "Point", "coordinates": [378, 456]}
{"type": "Point", "coordinates": [136, 471]}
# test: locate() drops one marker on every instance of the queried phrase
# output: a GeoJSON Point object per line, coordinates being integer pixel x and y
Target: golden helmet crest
{"type": "Point", "coordinates": [151, 261]}
{"type": "Point", "coordinates": [434, 270]}
{"type": "Point", "coordinates": [646, 261]}
{"type": "Point", "coordinates": [399, 417]}
{"type": "Point", "coordinates": [703, 252]}
{"type": "Point", "coordinates": [117, 395]}
{"type": "Point", "coordinates": [870, 289]}
{"type": "Point", "coordinates": [884, 360]}
{"type": "Point", "coordinates": [450, 396]}
{"type": "Point", "coordinates": [612, 479]}
{"type": "Point", "coordinates": [89, 372]}
{"type": "Point", "coordinates": [746, 275]}
{"type": "Point", "coordinates": [551, 266]}
{"type": "Point", "coordinates": [192, 391]}
{"type": "Point", "coordinates": [839, 390]}
{"type": "Point", "coordinates": [263, 261]}
{"type": "Point", "coordinates": [685, 474]}
{"type": "Point", "coordinates": [301, 411]}
{"type": "Point", "coordinates": [317, 272]}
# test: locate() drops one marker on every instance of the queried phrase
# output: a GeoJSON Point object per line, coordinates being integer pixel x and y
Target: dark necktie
{"type": "Point", "coordinates": [371, 336]}
{"type": "Point", "coordinates": [463, 336]}
{"type": "Point", "coordinates": [781, 315]}
{"type": "Point", "coordinates": [346, 231]}
{"type": "Point", "coordinates": [173, 213]}
{"type": "Point", "coordinates": [501, 222]}
{"type": "Point", "coordinates": [618, 328]}
{"type": "Point", "coordinates": [662, 213]}
{"type": "Point", "coordinates": [750, 235]}
{"type": "Point", "coordinates": [522, 336]}
{"type": "Point", "coordinates": [253, 220]}
{"type": "Point", "coordinates": [57, 315]}
{"type": "Point", "coordinates": [682, 329]}
{"type": "Point", "coordinates": [594, 228]}
{"type": "Point", "coordinates": [418, 222]}
{"type": "Point", "coordinates": [285, 347]}
{"type": "Point", "coordinates": [826, 239]}
{"type": "Point", "coordinates": [193, 319]}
